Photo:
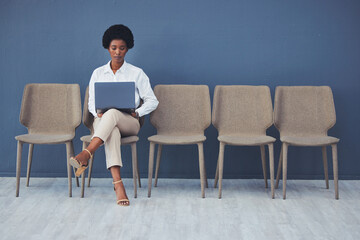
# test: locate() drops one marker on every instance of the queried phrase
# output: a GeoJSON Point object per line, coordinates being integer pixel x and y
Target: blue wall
{"type": "Point", "coordinates": [189, 42]}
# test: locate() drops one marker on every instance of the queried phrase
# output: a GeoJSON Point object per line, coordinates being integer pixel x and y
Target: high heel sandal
{"type": "Point", "coordinates": [77, 164]}
{"type": "Point", "coordinates": [126, 201]}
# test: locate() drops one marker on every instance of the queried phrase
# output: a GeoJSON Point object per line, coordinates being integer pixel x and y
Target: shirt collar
{"type": "Point", "coordinates": [122, 68]}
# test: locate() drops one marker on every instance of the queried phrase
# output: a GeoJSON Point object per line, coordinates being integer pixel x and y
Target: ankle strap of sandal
{"type": "Point", "coordinates": [117, 181]}
{"type": "Point", "coordinates": [88, 152]}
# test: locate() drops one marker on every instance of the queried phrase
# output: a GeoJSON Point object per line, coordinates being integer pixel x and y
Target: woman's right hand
{"type": "Point", "coordinates": [99, 115]}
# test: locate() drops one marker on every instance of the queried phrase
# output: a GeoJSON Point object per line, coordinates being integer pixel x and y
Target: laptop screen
{"type": "Point", "coordinates": [119, 95]}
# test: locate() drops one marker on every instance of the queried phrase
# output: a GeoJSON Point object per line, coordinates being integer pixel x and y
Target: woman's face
{"type": "Point", "coordinates": [117, 50]}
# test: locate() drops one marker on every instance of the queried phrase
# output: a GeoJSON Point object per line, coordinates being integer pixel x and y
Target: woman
{"type": "Point", "coordinates": [113, 124]}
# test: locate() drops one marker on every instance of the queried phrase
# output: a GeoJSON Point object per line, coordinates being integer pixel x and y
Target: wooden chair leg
{"type": "Point", "coordinates": [137, 171]}
{"type": "Point", "coordinates": [31, 148]}
{"type": "Point", "coordinates": [76, 178]}
{"type": "Point", "coordinates": [134, 166]}
{"type": "Point", "coordinates": [221, 166]}
{"type": "Point", "coordinates": [82, 184]}
{"type": "Point", "coordinates": [151, 166]}
{"type": "Point", "coordinates": [279, 168]}
{"type": "Point", "coordinates": [263, 162]}
{"type": "Point", "coordinates": [284, 170]}
{"type": "Point", "coordinates": [91, 162]}
{"type": "Point", "coordinates": [206, 181]}
{"type": "Point", "coordinates": [158, 159]}
{"type": "Point", "coordinates": [83, 175]}
{"type": "Point", "coordinates": [18, 166]}
{"type": "Point", "coordinates": [216, 174]}
{"type": "Point", "coordinates": [326, 172]}
{"type": "Point", "coordinates": [271, 164]}
{"type": "Point", "coordinates": [68, 155]}
{"type": "Point", "coordinates": [335, 169]}
{"type": "Point", "coordinates": [202, 168]}
{"type": "Point", "coordinates": [74, 169]}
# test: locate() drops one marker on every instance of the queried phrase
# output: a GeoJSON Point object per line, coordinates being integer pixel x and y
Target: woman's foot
{"type": "Point", "coordinates": [83, 157]}
{"type": "Point", "coordinates": [121, 196]}
{"type": "Point", "coordinates": [81, 161]}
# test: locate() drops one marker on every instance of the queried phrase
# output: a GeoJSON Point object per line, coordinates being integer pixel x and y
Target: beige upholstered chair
{"type": "Point", "coordinates": [303, 115]}
{"type": "Point", "coordinates": [181, 117]}
{"type": "Point", "coordinates": [51, 112]}
{"type": "Point", "coordinates": [242, 114]}
{"type": "Point", "coordinates": [88, 120]}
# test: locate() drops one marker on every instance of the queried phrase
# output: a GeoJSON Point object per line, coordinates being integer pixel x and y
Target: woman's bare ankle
{"type": "Point", "coordinates": [120, 191]}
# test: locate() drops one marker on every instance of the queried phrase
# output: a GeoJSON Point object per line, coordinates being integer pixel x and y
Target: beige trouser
{"type": "Point", "coordinates": [110, 128]}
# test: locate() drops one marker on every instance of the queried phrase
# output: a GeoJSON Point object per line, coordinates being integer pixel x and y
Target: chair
{"type": "Point", "coordinates": [51, 112]}
{"type": "Point", "coordinates": [241, 114]}
{"type": "Point", "coordinates": [88, 120]}
{"type": "Point", "coordinates": [181, 117]}
{"type": "Point", "coordinates": [303, 115]}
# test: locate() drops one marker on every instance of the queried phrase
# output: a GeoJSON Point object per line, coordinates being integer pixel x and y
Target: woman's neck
{"type": "Point", "coordinates": [115, 66]}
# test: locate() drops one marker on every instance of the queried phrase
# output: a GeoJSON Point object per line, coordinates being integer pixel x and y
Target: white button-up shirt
{"type": "Point", "coordinates": [127, 73]}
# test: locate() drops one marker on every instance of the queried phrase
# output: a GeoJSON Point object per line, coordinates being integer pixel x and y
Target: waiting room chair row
{"type": "Point", "coordinates": [241, 114]}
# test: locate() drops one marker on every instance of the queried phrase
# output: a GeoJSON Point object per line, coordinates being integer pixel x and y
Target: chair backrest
{"type": "Point", "coordinates": [87, 118]}
{"type": "Point", "coordinates": [304, 110]}
{"type": "Point", "coordinates": [51, 108]}
{"type": "Point", "coordinates": [245, 110]}
{"type": "Point", "coordinates": [182, 110]}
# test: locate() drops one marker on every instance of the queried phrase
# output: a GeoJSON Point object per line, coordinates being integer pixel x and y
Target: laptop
{"type": "Point", "coordinates": [119, 95]}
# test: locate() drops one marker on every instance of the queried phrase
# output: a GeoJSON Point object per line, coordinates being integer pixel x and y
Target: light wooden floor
{"type": "Point", "coordinates": [176, 211]}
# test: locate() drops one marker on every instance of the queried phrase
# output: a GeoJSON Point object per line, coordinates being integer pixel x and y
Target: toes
{"type": "Point", "coordinates": [124, 203]}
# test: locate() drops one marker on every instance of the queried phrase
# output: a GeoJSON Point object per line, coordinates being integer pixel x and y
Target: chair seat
{"type": "Point", "coordinates": [309, 141]}
{"type": "Point", "coordinates": [124, 140]}
{"type": "Point", "coordinates": [44, 138]}
{"type": "Point", "coordinates": [246, 140]}
{"type": "Point", "coordinates": [168, 139]}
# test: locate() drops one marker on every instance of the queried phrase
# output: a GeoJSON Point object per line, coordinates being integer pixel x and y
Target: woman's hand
{"type": "Point", "coordinates": [135, 114]}
{"type": "Point", "coordinates": [99, 115]}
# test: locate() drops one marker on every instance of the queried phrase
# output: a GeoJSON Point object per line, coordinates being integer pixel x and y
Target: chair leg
{"type": "Point", "coordinates": [202, 168]}
{"type": "Point", "coordinates": [83, 175]}
{"type": "Point", "coordinates": [221, 165]}
{"type": "Point", "coordinates": [206, 181]}
{"type": "Point", "coordinates": [151, 166]}
{"type": "Point", "coordinates": [68, 155]}
{"type": "Point", "coordinates": [279, 168]}
{"type": "Point", "coordinates": [18, 166]}
{"type": "Point", "coordinates": [91, 162]}
{"type": "Point", "coordinates": [31, 148]}
{"type": "Point", "coordinates": [271, 164]}
{"type": "Point", "coordinates": [137, 171]}
{"type": "Point", "coordinates": [262, 150]}
{"type": "Point", "coordinates": [134, 166]}
{"type": "Point", "coordinates": [335, 169]}
{"type": "Point", "coordinates": [284, 165]}
{"type": "Point", "coordinates": [76, 178]}
{"type": "Point", "coordinates": [216, 174]}
{"type": "Point", "coordinates": [326, 172]}
{"type": "Point", "coordinates": [72, 153]}
{"type": "Point", "coordinates": [82, 184]}
{"type": "Point", "coordinates": [158, 158]}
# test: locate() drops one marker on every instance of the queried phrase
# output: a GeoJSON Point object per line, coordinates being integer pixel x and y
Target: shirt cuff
{"type": "Point", "coordinates": [139, 112]}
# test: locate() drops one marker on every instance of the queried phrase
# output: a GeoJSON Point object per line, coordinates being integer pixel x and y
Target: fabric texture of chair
{"type": "Point", "coordinates": [183, 113]}
{"type": "Point", "coordinates": [88, 120]}
{"type": "Point", "coordinates": [241, 114]}
{"type": "Point", "coordinates": [51, 113]}
{"type": "Point", "coordinates": [303, 115]}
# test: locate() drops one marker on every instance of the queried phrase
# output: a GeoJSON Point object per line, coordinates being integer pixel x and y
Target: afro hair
{"type": "Point", "coordinates": [118, 31]}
